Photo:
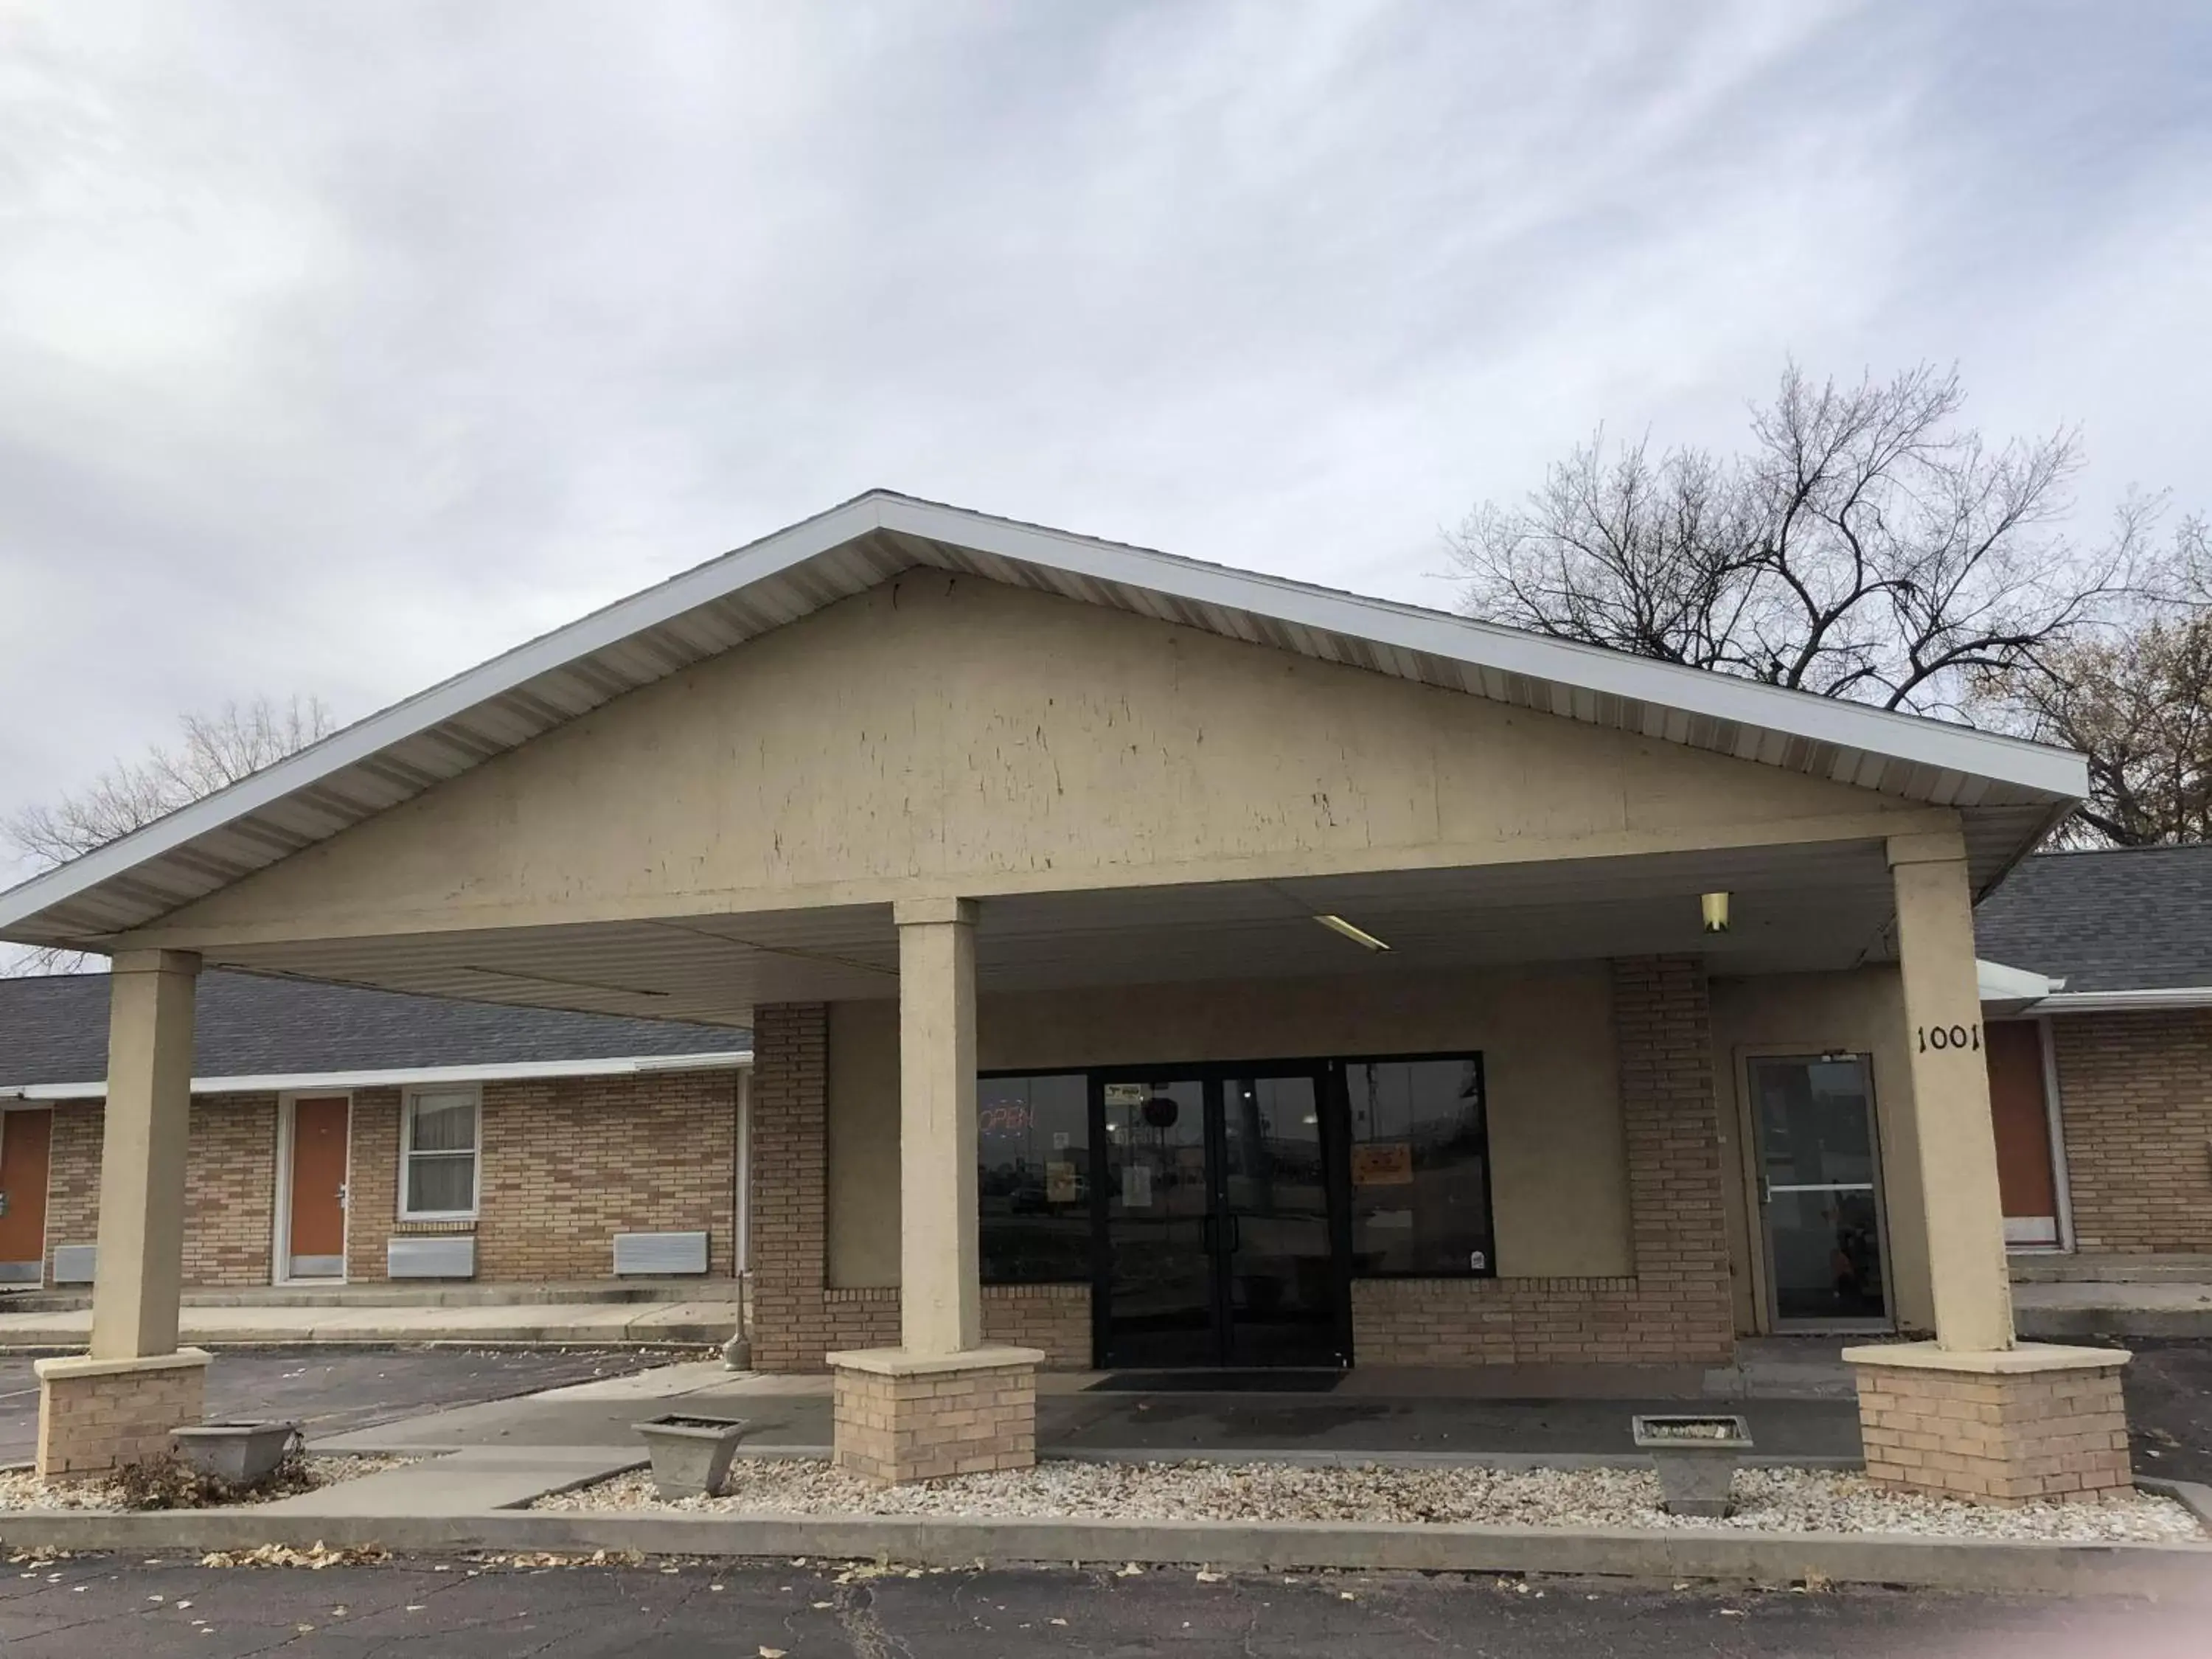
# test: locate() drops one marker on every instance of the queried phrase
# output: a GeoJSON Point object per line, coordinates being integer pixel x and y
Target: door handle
{"type": "Point", "coordinates": [1765, 1192]}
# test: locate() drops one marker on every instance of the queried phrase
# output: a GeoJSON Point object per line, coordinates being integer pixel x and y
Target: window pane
{"type": "Point", "coordinates": [1421, 1177]}
{"type": "Point", "coordinates": [444, 1123]}
{"type": "Point", "coordinates": [441, 1181]}
{"type": "Point", "coordinates": [1033, 1178]}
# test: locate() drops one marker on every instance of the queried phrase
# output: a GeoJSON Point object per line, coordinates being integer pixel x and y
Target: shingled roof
{"type": "Point", "coordinates": [2124, 919]}
{"type": "Point", "coordinates": [54, 1029]}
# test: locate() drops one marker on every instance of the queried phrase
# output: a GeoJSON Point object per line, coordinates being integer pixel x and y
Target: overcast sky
{"type": "Point", "coordinates": [344, 345]}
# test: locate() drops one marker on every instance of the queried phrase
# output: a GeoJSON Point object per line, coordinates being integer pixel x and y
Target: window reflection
{"type": "Point", "coordinates": [1033, 1178]}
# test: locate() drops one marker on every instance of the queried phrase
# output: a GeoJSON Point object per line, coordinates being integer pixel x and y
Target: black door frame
{"type": "Point", "coordinates": [1331, 1106]}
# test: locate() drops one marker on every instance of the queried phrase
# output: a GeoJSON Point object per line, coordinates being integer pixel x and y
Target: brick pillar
{"type": "Point", "coordinates": [1662, 1027]}
{"type": "Point", "coordinates": [790, 1201]}
{"type": "Point", "coordinates": [96, 1415]}
{"type": "Point", "coordinates": [2033, 1422]}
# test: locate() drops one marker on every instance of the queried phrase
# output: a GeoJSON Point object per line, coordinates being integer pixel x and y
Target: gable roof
{"type": "Point", "coordinates": [2110, 921]}
{"type": "Point", "coordinates": [249, 1029]}
{"type": "Point", "coordinates": [2010, 791]}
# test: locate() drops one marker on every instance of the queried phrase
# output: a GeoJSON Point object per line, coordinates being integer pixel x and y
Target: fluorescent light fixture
{"type": "Point", "coordinates": [1715, 909]}
{"type": "Point", "coordinates": [1357, 935]}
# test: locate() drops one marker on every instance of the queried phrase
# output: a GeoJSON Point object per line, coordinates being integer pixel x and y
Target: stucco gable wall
{"type": "Point", "coordinates": [940, 731]}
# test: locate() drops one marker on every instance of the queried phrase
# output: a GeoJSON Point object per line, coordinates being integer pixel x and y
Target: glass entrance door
{"type": "Point", "coordinates": [1819, 1193]}
{"type": "Point", "coordinates": [1219, 1241]}
{"type": "Point", "coordinates": [1282, 1291]}
{"type": "Point", "coordinates": [1159, 1269]}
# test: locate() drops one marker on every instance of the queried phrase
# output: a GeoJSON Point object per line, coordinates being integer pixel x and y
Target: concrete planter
{"type": "Point", "coordinates": [237, 1454]}
{"type": "Point", "coordinates": [1696, 1457]}
{"type": "Point", "coordinates": [690, 1454]}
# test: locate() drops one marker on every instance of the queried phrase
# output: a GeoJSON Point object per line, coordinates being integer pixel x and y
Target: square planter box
{"type": "Point", "coordinates": [1696, 1457]}
{"type": "Point", "coordinates": [691, 1454]}
{"type": "Point", "coordinates": [237, 1454]}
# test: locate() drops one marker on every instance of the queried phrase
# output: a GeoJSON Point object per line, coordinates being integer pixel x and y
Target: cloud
{"type": "Point", "coordinates": [342, 347]}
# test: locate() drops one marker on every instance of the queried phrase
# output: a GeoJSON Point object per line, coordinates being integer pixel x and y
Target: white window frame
{"type": "Point", "coordinates": [407, 1153]}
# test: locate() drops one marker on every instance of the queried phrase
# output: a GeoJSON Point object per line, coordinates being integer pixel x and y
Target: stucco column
{"type": "Point", "coordinates": [1951, 1093]}
{"type": "Point", "coordinates": [141, 1160]}
{"type": "Point", "coordinates": [940, 1294]}
{"type": "Point", "coordinates": [117, 1404]}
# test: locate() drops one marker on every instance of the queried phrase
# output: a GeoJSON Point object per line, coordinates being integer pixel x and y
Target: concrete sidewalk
{"type": "Point", "coordinates": [1380, 1414]}
{"type": "Point", "coordinates": [597, 1324]}
{"type": "Point", "coordinates": [2065, 1298]}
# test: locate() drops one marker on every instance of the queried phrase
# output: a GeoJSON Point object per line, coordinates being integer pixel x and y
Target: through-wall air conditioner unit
{"type": "Point", "coordinates": [659, 1255]}
{"type": "Point", "coordinates": [437, 1256]}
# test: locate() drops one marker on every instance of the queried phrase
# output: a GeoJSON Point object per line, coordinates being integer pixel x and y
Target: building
{"type": "Point", "coordinates": [341, 1135]}
{"type": "Point", "coordinates": [2100, 1075]}
{"type": "Point", "coordinates": [1346, 981]}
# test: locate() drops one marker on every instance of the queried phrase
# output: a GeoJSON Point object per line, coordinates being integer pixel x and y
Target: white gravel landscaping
{"type": "Point", "coordinates": [21, 1489]}
{"type": "Point", "coordinates": [1767, 1499]}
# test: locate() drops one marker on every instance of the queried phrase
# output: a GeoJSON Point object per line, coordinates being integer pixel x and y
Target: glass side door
{"type": "Point", "coordinates": [1819, 1193]}
{"type": "Point", "coordinates": [1160, 1274]}
{"type": "Point", "coordinates": [1282, 1287]}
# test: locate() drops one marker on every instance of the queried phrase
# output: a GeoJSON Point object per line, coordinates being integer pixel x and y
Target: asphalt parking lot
{"type": "Point", "coordinates": [331, 1391]}
{"type": "Point", "coordinates": [92, 1608]}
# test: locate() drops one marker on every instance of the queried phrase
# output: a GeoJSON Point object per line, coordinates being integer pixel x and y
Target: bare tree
{"type": "Point", "coordinates": [1864, 545]}
{"type": "Point", "coordinates": [216, 751]}
{"type": "Point", "coordinates": [2137, 699]}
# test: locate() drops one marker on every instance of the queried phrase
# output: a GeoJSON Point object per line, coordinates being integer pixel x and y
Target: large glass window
{"type": "Point", "coordinates": [438, 1162]}
{"type": "Point", "coordinates": [1033, 1178]}
{"type": "Point", "coordinates": [1421, 1168]}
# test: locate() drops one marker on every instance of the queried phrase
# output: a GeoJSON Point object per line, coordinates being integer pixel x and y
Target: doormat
{"type": "Point", "coordinates": [1251, 1381]}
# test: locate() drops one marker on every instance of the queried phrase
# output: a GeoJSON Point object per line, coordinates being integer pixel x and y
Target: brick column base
{"type": "Point", "coordinates": [2007, 1427]}
{"type": "Point", "coordinates": [901, 1417]}
{"type": "Point", "coordinates": [96, 1415]}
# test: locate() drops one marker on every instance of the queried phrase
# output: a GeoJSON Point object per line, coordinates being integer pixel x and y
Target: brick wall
{"type": "Point", "coordinates": [1677, 1308]}
{"type": "Point", "coordinates": [372, 1180]}
{"type": "Point", "coordinates": [567, 1163]}
{"type": "Point", "coordinates": [2135, 1095]}
{"type": "Point", "coordinates": [797, 1315]}
{"type": "Point", "coordinates": [230, 1186]}
{"type": "Point", "coordinates": [570, 1162]}
{"type": "Point", "coordinates": [230, 1190]}
{"type": "Point", "coordinates": [73, 1176]}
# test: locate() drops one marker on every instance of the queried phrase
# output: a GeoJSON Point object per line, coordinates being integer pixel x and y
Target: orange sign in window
{"type": "Point", "coordinates": [1383, 1164]}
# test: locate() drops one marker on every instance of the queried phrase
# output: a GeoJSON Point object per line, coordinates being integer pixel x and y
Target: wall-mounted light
{"type": "Point", "coordinates": [1715, 909]}
{"type": "Point", "coordinates": [1357, 935]}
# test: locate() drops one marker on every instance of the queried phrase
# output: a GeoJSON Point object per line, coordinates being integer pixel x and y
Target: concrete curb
{"type": "Point", "coordinates": [950, 1542]}
{"type": "Point", "coordinates": [2112, 1324]}
{"type": "Point", "coordinates": [2192, 1495]}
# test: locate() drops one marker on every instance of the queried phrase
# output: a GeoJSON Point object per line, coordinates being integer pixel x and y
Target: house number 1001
{"type": "Point", "coordinates": [1949, 1037]}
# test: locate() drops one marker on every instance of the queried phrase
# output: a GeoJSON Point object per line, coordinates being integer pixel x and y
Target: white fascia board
{"type": "Point", "coordinates": [2118, 1002]}
{"type": "Point", "coordinates": [513, 1071]}
{"type": "Point", "coordinates": [2058, 772]}
{"type": "Point", "coordinates": [1999, 983]}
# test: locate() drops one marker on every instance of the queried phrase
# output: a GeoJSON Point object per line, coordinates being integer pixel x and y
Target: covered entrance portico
{"type": "Point", "coordinates": [924, 797]}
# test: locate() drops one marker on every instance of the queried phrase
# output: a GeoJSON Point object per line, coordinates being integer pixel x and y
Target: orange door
{"type": "Point", "coordinates": [318, 1176]}
{"type": "Point", "coordinates": [2022, 1121]}
{"type": "Point", "coordinates": [24, 1140]}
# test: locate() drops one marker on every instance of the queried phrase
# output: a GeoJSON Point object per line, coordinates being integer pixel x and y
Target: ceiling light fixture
{"type": "Point", "coordinates": [1716, 908]}
{"type": "Point", "coordinates": [1357, 935]}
